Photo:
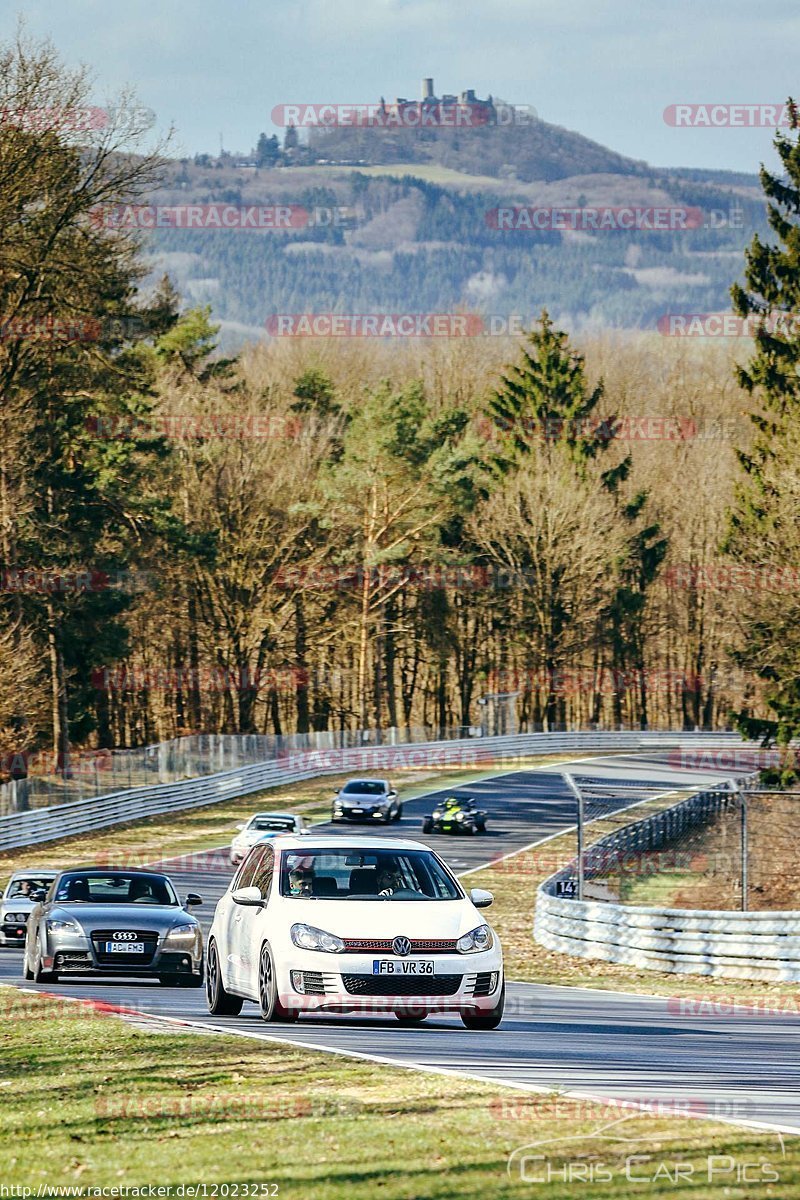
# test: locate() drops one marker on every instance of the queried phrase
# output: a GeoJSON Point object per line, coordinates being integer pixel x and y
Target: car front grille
{"type": "Point", "coordinates": [384, 946]}
{"type": "Point", "coordinates": [101, 936]}
{"type": "Point", "coordinates": [402, 985]}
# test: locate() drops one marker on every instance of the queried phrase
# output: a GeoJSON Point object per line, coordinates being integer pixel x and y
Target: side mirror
{"type": "Point", "coordinates": [242, 826]}
{"type": "Point", "coordinates": [39, 896]}
{"type": "Point", "coordinates": [480, 898]}
{"type": "Point", "coordinates": [393, 792]}
{"type": "Point", "coordinates": [250, 897]}
{"type": "Point", "coordinates": [193, 900]}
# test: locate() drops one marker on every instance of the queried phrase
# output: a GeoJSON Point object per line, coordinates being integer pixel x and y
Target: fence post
{"type": "Point", "coordinates": [744, 832]}
{"type": "Point", "coordinates": [576, 791]}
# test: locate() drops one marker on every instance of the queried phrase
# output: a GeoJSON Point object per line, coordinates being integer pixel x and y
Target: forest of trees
{"type": "Point", "coordinates": [362, 534]}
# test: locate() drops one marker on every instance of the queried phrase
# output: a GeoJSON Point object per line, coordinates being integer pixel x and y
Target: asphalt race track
{"type": "Point", "coordinates": [724, 1063]}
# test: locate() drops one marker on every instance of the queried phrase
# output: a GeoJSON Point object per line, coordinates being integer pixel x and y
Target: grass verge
{"type": "Point", "coordinates": [92, 1101]}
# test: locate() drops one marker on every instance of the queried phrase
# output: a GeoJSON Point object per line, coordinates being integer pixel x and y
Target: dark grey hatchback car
{"type": "Point", "coordinates": [98, 922]}
{"type": "Point", "coordinates": [367, 800]}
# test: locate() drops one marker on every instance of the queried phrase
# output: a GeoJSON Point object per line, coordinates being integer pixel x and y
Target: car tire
{"type": "Point", "coordinates": [220, 1003]}
{"type": "Point", "coordinates": [268, 999]}
{"type": "Point", "coordinates": [398, 816]}
{"type": "Point", "coordinates": [427, 825]}
{"type": "Point", "coordinates": [485, 1020]}
{"type": "Point", "coordinates": [411, 1018]}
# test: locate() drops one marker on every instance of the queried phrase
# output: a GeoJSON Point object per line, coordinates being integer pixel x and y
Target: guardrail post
{"type": "Point", "coordinates": [744, 832]}
{"type": "Point", "coordinates": [576, 791]}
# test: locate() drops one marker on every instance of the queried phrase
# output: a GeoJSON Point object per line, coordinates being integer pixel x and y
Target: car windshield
{"type": "Point", "coordinates": [97, 888]}
{"type": "Point", "coordinates": [24, 887]}
{"type": "Point", "coordinates": [364, 787]}
{"type": "Point", "coordinates": [366, 875]}
{"type": "Point", "coordinates": [273, 824]}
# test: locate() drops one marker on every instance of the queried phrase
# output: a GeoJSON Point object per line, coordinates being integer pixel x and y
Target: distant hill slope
{"type": "Point", "coordinates": [414, 234]}
{"type": "Point", "coordinates": [531, 151]}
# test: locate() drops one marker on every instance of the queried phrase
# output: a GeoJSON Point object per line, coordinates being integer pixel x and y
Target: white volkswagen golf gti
{"type": "Point", "coordinates": [349, 925]}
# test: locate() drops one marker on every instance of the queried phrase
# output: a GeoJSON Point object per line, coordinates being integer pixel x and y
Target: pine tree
{"type": "Point", "coordinates": [760, 524]}
{"type": "Point", "coordinates": [546, 398]}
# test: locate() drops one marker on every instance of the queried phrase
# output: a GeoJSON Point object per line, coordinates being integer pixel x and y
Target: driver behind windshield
{"type": "Point", "coordinates": [389, 880]}
{"type": "Point", "coordinates": [301, 882]}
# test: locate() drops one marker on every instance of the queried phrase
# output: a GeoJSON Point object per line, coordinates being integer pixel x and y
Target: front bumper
{"type": "Point", "coordinates": [12, 933]}
{"type": "Point", "coordinates": [78, 954]}
{"type": "Point", "coordinates": [312, 981]}
{"type": "Point", "coordinates": [366, 812]}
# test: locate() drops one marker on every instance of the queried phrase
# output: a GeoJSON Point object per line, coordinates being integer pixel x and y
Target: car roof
{"type": "Point", "coordinates": [364, 779]}
{"type": "Point", "coordinates": [110, 871]}
{"type": "Point", "coordinates": [342, 842]}
{"type": "Point", "coordinates": [274, 813]}
{"type": "Point", "coordinates": [33, 871]}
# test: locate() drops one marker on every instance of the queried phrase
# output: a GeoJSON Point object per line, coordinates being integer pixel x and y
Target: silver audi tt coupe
{"type": "Point", "coordinates": [93, 921]}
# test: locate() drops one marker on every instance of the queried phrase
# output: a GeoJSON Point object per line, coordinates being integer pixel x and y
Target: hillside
{"type": "Point", "coordinates": [528, 152]}
{"type": "Point", "coordinates": [402, 234]}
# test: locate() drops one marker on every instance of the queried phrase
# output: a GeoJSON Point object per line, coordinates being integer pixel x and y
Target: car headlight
{"type": "Point", "coordinates": [56, 926]}
{"type": "Point", "coordinates": [182, 935]}
{"type": "Point", "coordinates": [14, 917]}
{"type": "Point", "coordinates": [475, 941]}
{"type": "Point", "coordinates": [306, 937]}
{"type": "Point", "coordinates": [437, 812]}
{"type": "Point", "coordinates": [460, 817]}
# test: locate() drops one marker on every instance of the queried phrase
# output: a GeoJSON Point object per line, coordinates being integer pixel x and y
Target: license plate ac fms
{"type": "Point", "coordinates": [124, 948]}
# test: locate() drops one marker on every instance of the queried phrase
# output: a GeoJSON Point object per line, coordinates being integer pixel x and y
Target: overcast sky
{"type": "Point", "coordinates": [607, 70]}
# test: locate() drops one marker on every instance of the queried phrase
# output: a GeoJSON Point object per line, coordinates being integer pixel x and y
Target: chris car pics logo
{"type": "Point", "coordinates": [611, 1154]}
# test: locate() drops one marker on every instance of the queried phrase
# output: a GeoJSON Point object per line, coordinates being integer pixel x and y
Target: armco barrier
{"type": "Point", "coordinates": [743, 945]}
{"type": "Point", "coordinates": [99, 812]}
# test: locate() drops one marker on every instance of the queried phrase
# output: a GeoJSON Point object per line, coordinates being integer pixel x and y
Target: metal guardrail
{"type": "Point", "coordinates": [743, 945]}
{"type": "Point", "coordinates": [41, 779]}
{"type": "Point", "coordinates": [99, 812]}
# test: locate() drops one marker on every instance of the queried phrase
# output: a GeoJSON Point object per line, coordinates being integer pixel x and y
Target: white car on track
{"type": "Point", "coordinates": [17, 902]}
{"type": "Point", "coordinates": [353, 924]}
{"type": "Point", "coordinates": [263, 826]}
